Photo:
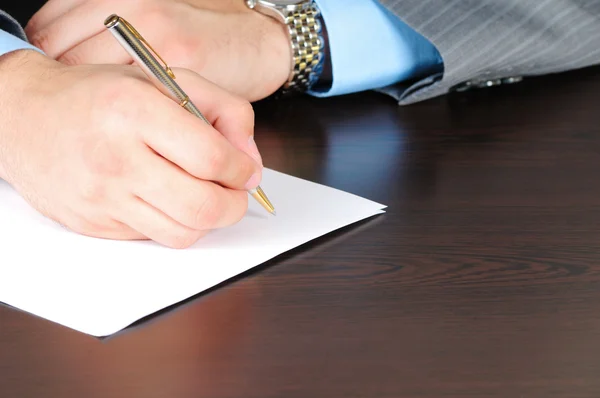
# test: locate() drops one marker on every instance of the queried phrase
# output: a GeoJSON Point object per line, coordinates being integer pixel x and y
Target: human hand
{"type": "Point", "coordinates": [240, 50]}
{"type": "Point", "coordinates": [102, 151]}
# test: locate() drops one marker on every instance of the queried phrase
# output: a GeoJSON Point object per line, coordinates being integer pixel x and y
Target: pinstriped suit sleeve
{"type": "Point", "coordinates": [491, 40]}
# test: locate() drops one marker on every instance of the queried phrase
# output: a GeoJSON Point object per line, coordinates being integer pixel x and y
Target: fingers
{"type": "Point", "coordinates": [230, 115]}
{"type": "Point", "coordinates": [154, 224]}
{"type": "Point", "coordinates": [90, 223]}
{"type": "Point", "coordinates": [77, 25]}
{"type": "Point", "coordinates": [102, 48]}
{"type": "Point", "coordinates": [199, 149]}
{"type": "Point", "coordinates": [197, 204]}
{"type": "Point", "coordinates": [124, 233]}
{"type": "Point", "coordinates": [52, 10]}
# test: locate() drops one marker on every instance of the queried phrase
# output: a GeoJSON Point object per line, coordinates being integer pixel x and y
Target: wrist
{"type": "Point", "coordinates": [301, 28]}
{"type": "Point", "coordinates": [279, 64]}
{"type": "Point", "coordinates": [18, 69]}
{"type": "Point", "coordinates": [10, 64]}
{"type": "Point", "coordinates": [276, 53]}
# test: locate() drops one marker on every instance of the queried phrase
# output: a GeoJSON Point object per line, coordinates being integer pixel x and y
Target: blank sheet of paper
{"type": "Point", "coordinates": [99, 286]}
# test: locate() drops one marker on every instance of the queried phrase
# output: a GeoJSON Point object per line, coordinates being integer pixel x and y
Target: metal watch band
{"type": "Point", "coordinates": [305, 28]}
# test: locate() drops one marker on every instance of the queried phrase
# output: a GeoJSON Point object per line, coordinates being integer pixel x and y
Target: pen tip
{"type": "Point", "coordinates": [261, 197]}
{"type": "Point", "coordinates": [274, 212]}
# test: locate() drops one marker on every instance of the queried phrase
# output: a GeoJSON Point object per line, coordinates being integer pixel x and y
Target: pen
{"type": "Point", "coordinates": [163, 78]}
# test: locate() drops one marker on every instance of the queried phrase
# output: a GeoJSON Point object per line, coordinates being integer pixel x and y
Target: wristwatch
{"type": "Point", "coordinates": [306, 33]}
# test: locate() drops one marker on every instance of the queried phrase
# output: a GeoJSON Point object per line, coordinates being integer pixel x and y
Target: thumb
{"type": "Point", "coordinates": [232, 116]}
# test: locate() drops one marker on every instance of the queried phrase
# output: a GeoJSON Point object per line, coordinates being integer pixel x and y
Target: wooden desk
{"type": "Point", "coordinates": [482, 280]}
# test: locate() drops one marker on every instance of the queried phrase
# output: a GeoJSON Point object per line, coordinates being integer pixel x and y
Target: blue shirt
{"type": "Point", "coordinates": [378, 50]}
{"type": "Point", "coordinates": [371, 47]}
{"type": "Point", "coordinates": [9, 42]}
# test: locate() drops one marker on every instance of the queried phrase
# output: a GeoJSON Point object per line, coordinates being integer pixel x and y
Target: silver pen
{"type": "Point", "coordinates": [163, 78]}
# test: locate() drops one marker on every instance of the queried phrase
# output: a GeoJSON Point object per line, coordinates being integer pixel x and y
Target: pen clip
{"type": "Point", "coordinates": [141, 38]}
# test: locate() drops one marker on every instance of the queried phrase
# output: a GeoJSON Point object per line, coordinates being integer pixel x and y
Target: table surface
{"type": "Point", "coordinates": [482, 279]}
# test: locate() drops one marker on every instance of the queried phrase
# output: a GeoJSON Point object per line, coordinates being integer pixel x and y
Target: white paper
{"type": "Point", "coordinates": [99, 286]}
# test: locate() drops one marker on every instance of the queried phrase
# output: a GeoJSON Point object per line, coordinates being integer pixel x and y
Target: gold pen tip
{"type": "Point", "coordinates": [262, 198]}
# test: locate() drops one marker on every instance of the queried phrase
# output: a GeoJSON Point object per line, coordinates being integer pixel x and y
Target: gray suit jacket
{"type": "Point", "coordinates": [488, 42]}
{"type": "Point", "coordinates": [10, 25]}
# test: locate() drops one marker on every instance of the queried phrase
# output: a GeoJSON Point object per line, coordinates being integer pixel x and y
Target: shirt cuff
{"type": "Point", "coordinates": [9, 42]}
{"type": "Point", "coordinates": [372, 48]}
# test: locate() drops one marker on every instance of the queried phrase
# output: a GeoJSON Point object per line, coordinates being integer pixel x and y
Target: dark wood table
{"type": "Point", "coordinates": [481, 280]}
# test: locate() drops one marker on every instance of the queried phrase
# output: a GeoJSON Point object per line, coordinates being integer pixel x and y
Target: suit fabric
{"type": "Point", "coordinates": [483, 42]}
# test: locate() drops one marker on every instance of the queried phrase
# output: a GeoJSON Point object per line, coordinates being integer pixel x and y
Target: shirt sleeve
{"type": "Point", "coordinates": [12, 35]}
{"type": "Point", "coordinates": [371, 48]}
{"type": "Point", "coordinates": [10, 42]}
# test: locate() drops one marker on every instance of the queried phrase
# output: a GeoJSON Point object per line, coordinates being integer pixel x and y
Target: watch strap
{"type": "Point", "coordinates": [305, 27]}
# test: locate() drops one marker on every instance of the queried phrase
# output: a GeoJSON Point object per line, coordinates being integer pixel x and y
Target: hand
{"type": "Point", "coordinates": [102, 151]}
{"type": "Point", "coordinates": [239, 49]}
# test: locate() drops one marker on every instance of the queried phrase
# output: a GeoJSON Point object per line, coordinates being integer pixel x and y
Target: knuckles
{"type": "Point", "coordinates": [106, 152]}
{"type": "Point", "coordinates": [118, 111]}
{"type": "Point", "coordinates": [244, 112]}
{"type": "Point", "coordinates": [246, 168]}
{"type": "Point", "coordinates": [120, 99]}
{"type": "Point", "coordinates": [104, 158]}
{"type": "Point", "coordinates": [41, 39]}
{"type": "Point", "coordinates": [238, 212]}
{"type": "Point", "coordinates": [93, 191]}
{"type": "Point", "coordinates": [82, 226]}
{"type": "Point", "coordinates": [104, 165]}
{"type": "Point", "coordinates": [215, 160]}
{"type": "Point", "coordinates": [210, 212]}
{"type": "Point", "coordinates": [71, 58]}
{"type": "Point", "coordinates": [206, 214]}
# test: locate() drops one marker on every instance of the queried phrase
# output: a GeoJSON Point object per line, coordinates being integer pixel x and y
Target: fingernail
{"type": "Point", "coordinates": [254, 150]}
{"type": "Point", "coordinates": [253, 181]}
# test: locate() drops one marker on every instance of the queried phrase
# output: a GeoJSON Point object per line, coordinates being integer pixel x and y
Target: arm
{"type": "Point", "coordinates": [381, 51]}
{"type": "Point", "coordinates": [242, 50]}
